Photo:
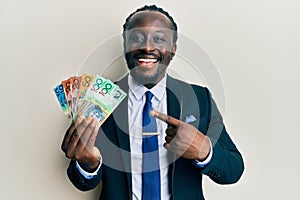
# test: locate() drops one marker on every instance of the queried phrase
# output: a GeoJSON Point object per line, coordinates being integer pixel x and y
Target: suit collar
{"type": "Point", "coordinates": [138, 90]}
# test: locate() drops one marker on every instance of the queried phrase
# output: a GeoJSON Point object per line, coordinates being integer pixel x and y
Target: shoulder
{"type": "Point", "coordinates": [198, 90]}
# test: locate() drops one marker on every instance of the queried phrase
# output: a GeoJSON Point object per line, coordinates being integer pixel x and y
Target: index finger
{"type": "Point", "coordinates": [165, 118]}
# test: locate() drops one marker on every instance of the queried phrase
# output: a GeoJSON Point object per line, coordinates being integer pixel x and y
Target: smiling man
{"type": "Point", "coordinates": [143, 154]}
{"type": "Point", "coordinates": [149, 46]}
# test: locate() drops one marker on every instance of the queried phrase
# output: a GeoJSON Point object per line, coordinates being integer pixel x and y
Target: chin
{"type": "Point", "coordinates": [145, 79]}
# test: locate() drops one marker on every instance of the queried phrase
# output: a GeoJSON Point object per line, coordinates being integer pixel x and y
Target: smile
{"type": "Point", "coordinates": [147, 60]}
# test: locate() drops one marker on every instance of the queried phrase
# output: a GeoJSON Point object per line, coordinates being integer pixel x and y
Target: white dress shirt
{"type": "Point", "coordinates": [136, 101]}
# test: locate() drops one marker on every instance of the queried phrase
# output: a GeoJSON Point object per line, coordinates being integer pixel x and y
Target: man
{"type": "Point", "coordinates": [190, 141]}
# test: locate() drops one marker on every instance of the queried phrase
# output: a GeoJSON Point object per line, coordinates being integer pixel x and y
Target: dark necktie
{"type": "Point", "coordinates": [151, 173]}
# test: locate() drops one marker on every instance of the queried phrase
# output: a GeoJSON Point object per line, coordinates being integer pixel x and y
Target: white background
{"type": "Point", "coordinates": [254, 44]}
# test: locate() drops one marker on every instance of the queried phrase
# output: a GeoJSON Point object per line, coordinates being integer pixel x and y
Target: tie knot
{"type": "Point", "coordinates": [149, 96]}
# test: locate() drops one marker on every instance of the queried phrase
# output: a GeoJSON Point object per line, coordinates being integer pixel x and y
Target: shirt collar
{"type": "Point", "coordinates": [139, 90]}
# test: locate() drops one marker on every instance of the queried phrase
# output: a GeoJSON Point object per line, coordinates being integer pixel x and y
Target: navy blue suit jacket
{"type": "Point", "coordinates": [185, 179]}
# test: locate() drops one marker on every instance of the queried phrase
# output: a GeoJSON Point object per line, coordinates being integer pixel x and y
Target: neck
{"type": "Point", "coordinates": [150, 85]}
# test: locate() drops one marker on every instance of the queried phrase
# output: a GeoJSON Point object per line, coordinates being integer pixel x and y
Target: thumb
{"type": "Point", "coordinates": [97, 153]}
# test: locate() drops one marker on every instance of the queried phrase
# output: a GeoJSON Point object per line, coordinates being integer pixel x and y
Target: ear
{"type": "Point", "coordinates": [173, 50]}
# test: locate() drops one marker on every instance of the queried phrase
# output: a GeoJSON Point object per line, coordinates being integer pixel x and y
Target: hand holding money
{"type": "Point", "coordinates": [87, 101]}
{"type": "Point", "coordinates": [184, 139]}
{"type": "Point", "coordinates": [79, 143]}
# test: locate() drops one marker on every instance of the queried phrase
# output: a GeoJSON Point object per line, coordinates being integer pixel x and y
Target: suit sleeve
{"type": "Point", "coordinates": [79, 181]}
{"type": "Point", "coordinates": [226, 165]}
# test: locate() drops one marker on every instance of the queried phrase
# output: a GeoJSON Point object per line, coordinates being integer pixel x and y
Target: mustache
{"type": "Point", "coordinates": [154, 53]}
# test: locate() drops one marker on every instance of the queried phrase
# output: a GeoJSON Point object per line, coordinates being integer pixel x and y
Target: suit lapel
{"type": "Point", "coordinates": [120, 116]}
{"type": "Point", "coordinates": [174, 98]}
{"type": "Point", "coordinates": [174, 103]}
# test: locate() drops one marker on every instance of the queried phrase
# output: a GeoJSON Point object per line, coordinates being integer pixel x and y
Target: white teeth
{"type": "Point", "coordinates": [148, 60]}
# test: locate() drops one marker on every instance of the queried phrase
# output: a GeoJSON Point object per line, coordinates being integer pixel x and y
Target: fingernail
{"type": "Point", "coordinates": [152, 113]}
{"type": "Point", "coordinates": [95, 121]}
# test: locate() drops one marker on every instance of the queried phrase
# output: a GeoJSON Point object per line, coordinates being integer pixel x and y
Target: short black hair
{"type": "Point", "coordinates": [153, 8]}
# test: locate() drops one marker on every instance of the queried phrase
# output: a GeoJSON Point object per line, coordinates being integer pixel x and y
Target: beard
{"type": "Point", "coordinates": [145, 79]}
{"type": "Point", "coordinates": [148, 80]}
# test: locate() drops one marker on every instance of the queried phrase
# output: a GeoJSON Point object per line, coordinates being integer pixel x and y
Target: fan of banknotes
{"type": "Point", "coordinates": [88, 95]}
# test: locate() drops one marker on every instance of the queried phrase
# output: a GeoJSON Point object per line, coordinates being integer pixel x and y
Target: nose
{"type": "Point", "coordinates": [148, 45]}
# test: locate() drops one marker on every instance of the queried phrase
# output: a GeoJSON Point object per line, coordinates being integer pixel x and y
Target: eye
{"type": "Point", "coordinates": [159, 39]}
{"type": "Point", "coordinates": [136, 38]}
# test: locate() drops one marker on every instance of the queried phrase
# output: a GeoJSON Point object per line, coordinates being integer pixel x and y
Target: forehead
{"type": "Point", "coordinates": [147, 18]}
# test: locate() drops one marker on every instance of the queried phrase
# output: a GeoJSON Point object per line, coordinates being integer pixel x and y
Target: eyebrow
{"type": "Point", "coordinates": [158, 31]}
{"type": "Point", "coordinates": [139, 30]}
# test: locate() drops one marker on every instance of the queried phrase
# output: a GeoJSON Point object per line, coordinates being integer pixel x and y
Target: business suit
{"type": "Point", "coordinates": [185, 180]}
